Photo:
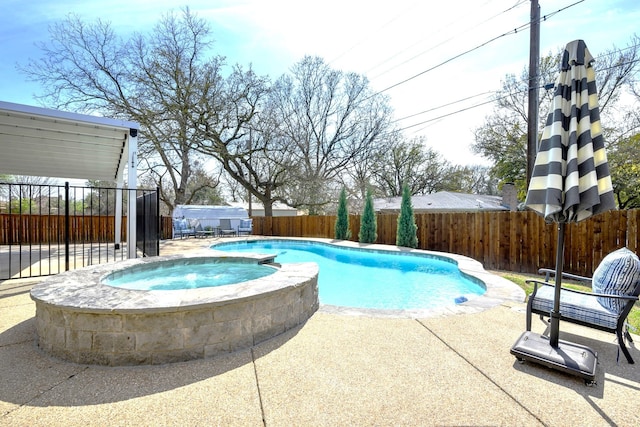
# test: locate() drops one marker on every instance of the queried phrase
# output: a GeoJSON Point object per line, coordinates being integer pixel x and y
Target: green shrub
{"type": "Point", "coordinates": [343, 232]}
{"type": "Point", "coordinates": [407, 229]}
{"type": "Point", "coordinates": [368, 223]}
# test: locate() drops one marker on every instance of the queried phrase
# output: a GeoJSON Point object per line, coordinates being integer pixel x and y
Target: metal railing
{"type": "Point", "coordinates": [47, 229]}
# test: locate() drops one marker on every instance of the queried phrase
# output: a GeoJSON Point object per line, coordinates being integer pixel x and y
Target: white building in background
{"type": "Point", "coordinates": [279, 209]}
{"type": "Point", "coordinates": [443, 201]}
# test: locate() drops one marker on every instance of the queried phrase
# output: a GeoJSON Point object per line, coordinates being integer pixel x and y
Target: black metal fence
{"type": "Point", "coordinates": [148, 224]}
{"type": "Point", "coordinates": [47, 229]}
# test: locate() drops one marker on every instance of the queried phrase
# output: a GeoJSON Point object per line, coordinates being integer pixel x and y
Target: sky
{"type": "Point", "coordinates": [426, 58]}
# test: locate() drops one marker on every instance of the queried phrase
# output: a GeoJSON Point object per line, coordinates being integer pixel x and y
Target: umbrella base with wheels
{"type": "Point", "coordinates": [574, 359]}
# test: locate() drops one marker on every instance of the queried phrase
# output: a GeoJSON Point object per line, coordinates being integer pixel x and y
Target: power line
{"type": "Point", "coordinates": [416, 43]}
{"type": "Point", "coordinates": [439, 44]}
{"type": "Point", "coordinates": [443, 105]}
{"type": "Point", "coordinates": [486, 102]}
{"type": "Point", "coordinates": [542, 86]}
{"type": "Point", "coordinates": [453, 58]}
{"type": "Point", "coordinates": [514, 31]}
{"type": "Point", "coordinates": [454, 112]}
{"type": "Point", "coordinates": [523, 26]}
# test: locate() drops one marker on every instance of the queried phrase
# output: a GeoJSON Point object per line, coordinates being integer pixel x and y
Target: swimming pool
{"type": "Point", "coordinates": [372, 279]}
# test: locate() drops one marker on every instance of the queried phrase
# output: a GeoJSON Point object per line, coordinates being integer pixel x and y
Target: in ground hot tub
{"type": "Point", "coordinates": [82, 319]}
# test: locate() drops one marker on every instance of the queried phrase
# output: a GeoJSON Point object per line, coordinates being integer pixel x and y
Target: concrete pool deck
{"type": "Point", "coordinates": [335, 369]}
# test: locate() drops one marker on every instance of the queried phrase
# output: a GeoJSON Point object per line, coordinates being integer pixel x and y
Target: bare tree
{"type": "Point", "coordinates": [359, 175]}
{"type": "Point", "coordinates": [155, 80]}
{"type": "Point", "coordinates": [245, 142]}
{"type": "Point", "coordinates": [235, 191]}
{"type": "Point", "coordinates": [473, 179]}
{"type": "Point", "coordinates": [411, 163]}
{"type": "Point", "coordinates": [291, 141]}
{"type": "Point", "coordinates": [29, 194]}
{"type": "Point", "coordinates": [326, 119]}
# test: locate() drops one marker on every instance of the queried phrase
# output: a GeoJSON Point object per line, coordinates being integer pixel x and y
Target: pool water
{"type": "Point", "coordinates": [184, 275]}
{"type": "Point", "coordinates": [351, 277]}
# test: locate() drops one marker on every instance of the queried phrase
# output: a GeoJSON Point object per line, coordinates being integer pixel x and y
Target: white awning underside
{"type": "Point", "coordinates": [42, 142]}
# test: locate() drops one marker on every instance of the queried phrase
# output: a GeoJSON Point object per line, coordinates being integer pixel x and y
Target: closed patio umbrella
{"type": "Point", "coordinates": [570, 180]}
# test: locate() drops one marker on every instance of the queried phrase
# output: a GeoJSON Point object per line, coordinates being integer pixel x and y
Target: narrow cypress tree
{"type": "Point", "coordinates": [342, 222]}
{"type": "Point", "coordinates": [368, 223]}
{"type": "Point", "coordinates": [407, 228]}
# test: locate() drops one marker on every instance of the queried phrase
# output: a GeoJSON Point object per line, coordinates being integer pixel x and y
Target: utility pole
{"type": "Point", "coordinates": [534, 61]}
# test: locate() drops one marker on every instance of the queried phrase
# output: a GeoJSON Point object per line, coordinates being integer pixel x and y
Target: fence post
{"type": "Point", "coordinates": [10, 239]}
{"type": "Point", "coordinates": [158, 221]}
{"type": "Point", "coordinates": [66, 226]}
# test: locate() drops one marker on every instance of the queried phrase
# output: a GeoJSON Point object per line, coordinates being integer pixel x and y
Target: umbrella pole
{"type": "Point", "coordinates": [549, 351]}
{"type": "Point", "coordinates": [555, 313]}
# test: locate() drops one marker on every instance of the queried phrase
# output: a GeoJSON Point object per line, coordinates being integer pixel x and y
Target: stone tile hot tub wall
{"type": "Point", "coordinates": [81, 320]}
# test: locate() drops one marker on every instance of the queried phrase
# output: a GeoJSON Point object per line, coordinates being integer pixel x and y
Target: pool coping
{"type": "Point", "coordinates": [83, 289]}
{"type": "Point", "coordinates": [498, 289]}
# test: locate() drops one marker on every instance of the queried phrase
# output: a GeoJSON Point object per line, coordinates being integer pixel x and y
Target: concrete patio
{"type": "Point", "coordinates": [333, 370]}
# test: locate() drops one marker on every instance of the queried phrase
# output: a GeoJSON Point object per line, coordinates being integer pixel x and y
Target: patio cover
{"type": "Point", "coordinates": [37, 141]}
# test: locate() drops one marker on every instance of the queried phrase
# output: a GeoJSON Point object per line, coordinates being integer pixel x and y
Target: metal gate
{"type": "Point", "coordinates": [47, 229]}
{"type": "Point", "coordinates": [148, 224]}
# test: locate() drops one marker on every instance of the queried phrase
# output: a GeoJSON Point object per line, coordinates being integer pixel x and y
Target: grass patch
{"type": "Point", "coordinates": [520, 279]}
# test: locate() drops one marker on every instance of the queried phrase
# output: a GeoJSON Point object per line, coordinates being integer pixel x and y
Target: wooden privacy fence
{"type": "Point", "coordinates": [166, 227]}
{"type": "Point", "coordinates": [513, 241]}
{"type": "Point", "coordinates": [36, 229]}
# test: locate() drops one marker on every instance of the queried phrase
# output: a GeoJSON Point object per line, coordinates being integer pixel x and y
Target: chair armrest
{"type": "Point", "coordinates": [549, 272]}
{"type": "Point", "coordinates": [612, 296]}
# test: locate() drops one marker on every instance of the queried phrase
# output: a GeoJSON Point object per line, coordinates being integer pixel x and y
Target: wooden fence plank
{"type": "Point", "coordinates": [632, 230]}
{"type": "Point", "coordinates": [588, 254]}
{"type": "Point", "coordinates": [486, 243]}
{"type": "Point", "coordinates": [482, 238]}
{"type": "Point", "coordinates": [514, 245]}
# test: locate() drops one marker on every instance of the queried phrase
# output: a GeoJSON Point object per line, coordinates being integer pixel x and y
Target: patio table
{"type": "Point", "coordinates": [205, 233]}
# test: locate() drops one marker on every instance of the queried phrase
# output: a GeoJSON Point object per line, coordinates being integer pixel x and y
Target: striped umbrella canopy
{"type": "Point", "coordinates": [570, 180]}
